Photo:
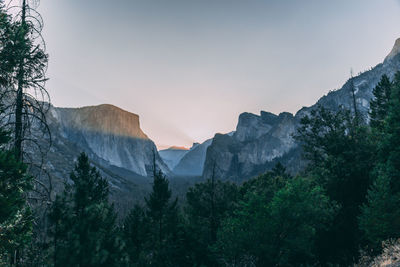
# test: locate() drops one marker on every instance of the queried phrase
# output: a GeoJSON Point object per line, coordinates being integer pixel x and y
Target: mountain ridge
{"type": "Point", "coordinates": [259, 142]}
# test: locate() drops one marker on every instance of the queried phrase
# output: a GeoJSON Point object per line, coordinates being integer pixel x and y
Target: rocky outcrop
{"type": "Point", "coordinates": [262, 140]}
{"type": "Point", "coordinates": [257, 141]}
{"type": "Point", "coordinates": [395, 50]}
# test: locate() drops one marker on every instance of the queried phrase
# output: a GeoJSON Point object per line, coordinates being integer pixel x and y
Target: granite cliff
{"type": "Point", "coordinates": [108, 133]}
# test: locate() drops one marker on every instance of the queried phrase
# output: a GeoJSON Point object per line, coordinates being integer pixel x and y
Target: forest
{"type": "Point", "coordinates": [341, 210]}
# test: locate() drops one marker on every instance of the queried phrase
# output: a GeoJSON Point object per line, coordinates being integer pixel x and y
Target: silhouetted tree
{"type": "Point", "coordinates": [162, 213]}
{"type": "Point", "coordinates": [379, 105]}
{"type": "Point", "coordinates": [380, 219]}
{"type": "Point", "coordinates": [208, 203]}
{"type": "Point", "coordinates": [341, 160]}
{"type": "Point", "coordinates": [136, 235]}
{"type": "Point", "coordinates": [84, 230]}
{"type": "Point", "coordinates": [15, 214]}
{"type": "Point", "coordinates": [23, 63]}
{"type": "Point", "coordinates": [276, 229]}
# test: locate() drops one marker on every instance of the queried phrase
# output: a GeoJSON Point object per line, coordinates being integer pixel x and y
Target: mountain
{"type": "Point", "coordinates": [116, 146]}
{"type": "Point", "coordinates": [251, 149]}
{"type": "Point", "coordinates": [110, 134]}
{"type": "Point", "coordinates": [262, 140]}
{"type": "Point", "coordinates": [171, 156]}
{"type": "Point", "coordinates": [192, 162]}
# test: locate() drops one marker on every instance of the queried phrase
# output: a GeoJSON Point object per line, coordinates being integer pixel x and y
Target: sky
{"type": "Point", "coordinates": [189, 68]}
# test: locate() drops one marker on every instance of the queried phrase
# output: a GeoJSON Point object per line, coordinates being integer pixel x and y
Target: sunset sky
{"type": "Point", "coordinates": [189, 68]}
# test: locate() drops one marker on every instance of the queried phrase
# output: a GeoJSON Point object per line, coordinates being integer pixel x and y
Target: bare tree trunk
{"type": "Point", "coordinates": [19, 101]}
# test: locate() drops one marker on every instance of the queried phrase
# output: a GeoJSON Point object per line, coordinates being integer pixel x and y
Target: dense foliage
{"type": "Point", "coordinates": [380, 218]}
{"type": "Point", "coordinates": [83, 224]}
{"type": "Point", "coordinates": [15, 214]}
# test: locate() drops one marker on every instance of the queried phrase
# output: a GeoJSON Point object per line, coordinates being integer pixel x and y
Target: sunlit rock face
{"type": "Point", "coordinates": [106, 119]}
{"type": "Point", "coordinates": [260, 141]}
{"type": "Point", "coordinates": [111, 134]}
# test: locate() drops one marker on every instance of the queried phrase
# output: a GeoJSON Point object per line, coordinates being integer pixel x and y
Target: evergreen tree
{"type": "Point", "coordinates": [267, 183]}
{"type": "Point", "coordinates": [164, 221]}
{"type": "Point", "coordinates": [277, 229]}
{"type": "Point", "coordinates": [136, 235]}
{"type": "Point", "coordinates": [379, 105]}
{"type": "Point", "coordinates": [208, 204]}
{"type": "Point", "coordinates": [341, 159]}
{"type": "Point", "coordinates": [390, 145]}
{"type": "Point", "coordinates": [84, 227]}
{"type": "Point", "coordinates": [22, 70]}
{"type": "Point", "coordinates": [7, 55]}
{"type": "Point", "coordinates": [15, 215]}
{"type": "Point", "coordinates": [380, 218]}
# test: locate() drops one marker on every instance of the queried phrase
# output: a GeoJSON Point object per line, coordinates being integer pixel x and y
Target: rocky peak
{"type": "Point", "coordinates": [395, 50]}
{"type": "Point", "coordinates": [268, 117]}
{"type": "Point", "coordinates": [251, 126]}
{"type": "Point", "coordinates": [284, 116]}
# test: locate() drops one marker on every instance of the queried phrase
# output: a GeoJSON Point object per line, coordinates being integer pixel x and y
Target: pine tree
{"type": "Point", "coordinates": [15, 214]}
{"type": "Point", "coordinates": [379, 105]}
{"type": "Point", "coordinates": [7, 55]}
{"type": "Point", "coordinates": [277, 229]}
{"type": "Point", "coordinates": [162, 213]}
{"type": "Point", "coordinates": [84, 227]}
{"type": "Point", "coordinates": [380, 218]}
{"type": "Point", "coordinates": [390, 146]}
{"type": "Point", "coordinates": [136, 233]}
{"type": "Point", "coordinates": [208, 203]}
{"type": "Point", "coordinates": [23, 68]}
{"type": "Point", "coordinates": [341, 160]}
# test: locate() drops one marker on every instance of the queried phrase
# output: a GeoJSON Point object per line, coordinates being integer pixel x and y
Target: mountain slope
{"type": "Point", "coordinates": [171, 156]}
{"type": "Point", "coordinates": [260, 141]}
{"type": "Point", "coordinates": [192, 162]}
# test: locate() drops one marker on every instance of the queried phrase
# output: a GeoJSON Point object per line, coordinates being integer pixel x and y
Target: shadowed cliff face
{"type": "Point", "coordinates": [258, 140]}
{"type": "Point", "coordinates": [109, 133]}
{"type": "Point", "coordinates": [262, 140]}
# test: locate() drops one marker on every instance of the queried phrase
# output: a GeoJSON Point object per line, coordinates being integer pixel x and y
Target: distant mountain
{"type": "Point", "coordinates": [172, 155]}
{"type": "Point", "coordinates": [192, 163]}
{"type": "Point", "coordinates": [262, 140]}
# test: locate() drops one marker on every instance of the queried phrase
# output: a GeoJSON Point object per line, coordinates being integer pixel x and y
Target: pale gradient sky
{"type": "Point", "coordinates": [189, 68]}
